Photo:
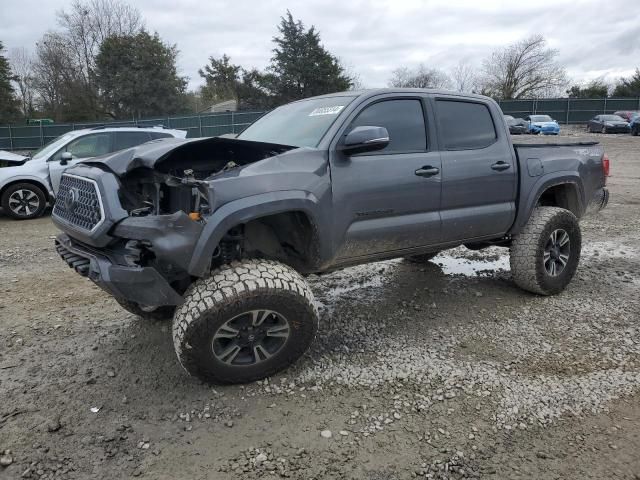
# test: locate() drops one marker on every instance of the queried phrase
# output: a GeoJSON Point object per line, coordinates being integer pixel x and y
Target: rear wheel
{"type": "Point", "coordinates": [604, 130]}
{"type": "Point", "coordinates": [247, 321]}
{"type": "Point", "coordinates": [147, 313]}
{"type": "Point", "coordinates": [635, 131]}
{"type": "Point", "coordinates": [546, 253]}
{"type": "Point", "coordinates": [24, 201]}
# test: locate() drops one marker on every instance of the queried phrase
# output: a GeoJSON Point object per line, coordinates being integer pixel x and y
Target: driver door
{"type": "Point", "coordinates": [82, 148]}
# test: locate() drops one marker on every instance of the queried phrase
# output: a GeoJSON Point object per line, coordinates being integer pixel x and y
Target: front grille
{"type": "Point", "coordinates": [78, 202]}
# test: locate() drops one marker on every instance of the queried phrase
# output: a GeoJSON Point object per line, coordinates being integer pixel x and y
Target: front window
{"type": "Point", "coordinates": [88, 146]}
{"type": "Point", "coordinates": [299, 124]}
{"type": "Point", "coordinates": [612, 118]}
{"type": "Point", "coordinates": [541, 118]}
{"type": "Point", "coordinates": [52, 146]}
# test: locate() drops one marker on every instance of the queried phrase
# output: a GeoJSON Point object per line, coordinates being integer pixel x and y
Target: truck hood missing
{"type": "Point", "coordinates": [204, 156]}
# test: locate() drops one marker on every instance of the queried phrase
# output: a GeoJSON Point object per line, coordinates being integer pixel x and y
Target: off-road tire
{"type": "Point", "coordinates": [42, 201]}
{"type": "Point", "coordinates": [228, 292]}
{"type": "Point", "coordinates": [527, 251]}
{"type": "Point", "coordinates": [422, 258]}
{"type": "Point", "coordinates": [157, 314]}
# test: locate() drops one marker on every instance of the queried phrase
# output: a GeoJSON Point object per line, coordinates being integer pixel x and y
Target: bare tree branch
{"type": "Point", "coordinates": [422, 77]}
{"type": "Point", "coordinates": [523, 70]}
{"type": "Point", "coordinates": [22, 67]}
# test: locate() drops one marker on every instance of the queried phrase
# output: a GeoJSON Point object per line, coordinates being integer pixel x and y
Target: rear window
{"type": "Point", "coordinates": [465, 125]}
{"type": "Point", "coordinates": [156, 135]}
{"type": "Point", "coordinates": [130, 139]}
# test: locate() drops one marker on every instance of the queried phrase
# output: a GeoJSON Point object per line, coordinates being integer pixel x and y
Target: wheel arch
{"type": "Point", "coordinates": [30, 180]}
{"type": "Point", "coordinates": [256, 210]}
{"type": "Point", "coordinates": [563, 189]}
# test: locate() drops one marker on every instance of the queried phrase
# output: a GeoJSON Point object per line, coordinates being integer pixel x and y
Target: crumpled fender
{"type": "Point", "coordinates": [242, 211]}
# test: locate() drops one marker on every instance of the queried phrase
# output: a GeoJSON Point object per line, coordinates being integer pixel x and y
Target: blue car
{"type": "Point", "coordinates": [635, 125]}
{"type": "Point", "coordinates": [543, 124]}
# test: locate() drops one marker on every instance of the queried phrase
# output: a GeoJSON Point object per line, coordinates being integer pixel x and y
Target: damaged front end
{"type": "Point", "coordinates": [132, 219]}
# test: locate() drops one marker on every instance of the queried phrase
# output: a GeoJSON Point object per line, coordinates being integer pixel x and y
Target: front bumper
{"type": "Point", "coordinates": [142, 285]}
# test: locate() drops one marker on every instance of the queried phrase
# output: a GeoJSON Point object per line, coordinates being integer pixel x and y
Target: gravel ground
{"type": "Point", "coordinates": [444, 370]}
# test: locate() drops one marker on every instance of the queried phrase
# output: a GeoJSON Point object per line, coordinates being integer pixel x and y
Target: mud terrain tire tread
{"type": "Point", "coordinates": [229, 290]}
{"type": "Point", "coordinates": [527, 251]}
{"type": "Point", "coordinates": [159, 314]}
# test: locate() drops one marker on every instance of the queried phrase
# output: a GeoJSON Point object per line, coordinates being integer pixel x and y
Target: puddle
{"type": "Point", "coordinates": [470, 268]}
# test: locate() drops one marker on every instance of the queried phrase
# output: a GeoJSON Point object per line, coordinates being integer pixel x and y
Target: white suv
{"type": "Point", "coordinates": [28, 183]}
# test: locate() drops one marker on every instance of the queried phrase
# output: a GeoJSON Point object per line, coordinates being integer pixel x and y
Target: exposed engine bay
{"type": "Point", "coordinates": [168, 176]}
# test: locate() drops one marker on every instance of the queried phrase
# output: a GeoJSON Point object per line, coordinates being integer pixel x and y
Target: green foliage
{"type": "Point", "coordinates": [8, 100]}
{"type": "Point", "coordinates": [222, 78]}
{"type": "Point", "coordinates": [594, 89]}
{"type": "Point", "coordinates": [137, 76]}
{"type": "Point", "coordinates": [301, 67]}
{"type": "Point", "coordinates": [628, 87]}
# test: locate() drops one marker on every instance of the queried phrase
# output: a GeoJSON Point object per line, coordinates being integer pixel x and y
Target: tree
{"type": "Point", "coordinates": [137, 76]}
{"type": "Point", "coordinates": [628, 87]}
{"type": "Point", "coordinates": [86, 26]}
{"type": "Point", "coordinates": [464, 77]}
{"type": "Point", "coordinates": [301, 67]}
{"type": "Point", "coordinates": [22, 66]}
{"type": "Point", "coordinates": [222, 79]}
{"type": "Point", "coordinates": [57, 81]}
{"type": "Point", "coordinates": [421, 77]}
{"type": "Point", "coordinates": [594, 89]}
{"type": "Point", "coordinates": [525, 69]}
{"type": "Point", "coordinates": [8, 101]}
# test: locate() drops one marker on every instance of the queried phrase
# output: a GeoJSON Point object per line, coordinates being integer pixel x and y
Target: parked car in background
{"type": "Point", "coordinates": [517, 126]}
{"type": "Point", "coordinates": [27, 184]}
{"type": "Point", "coordinates": [627, 114]}
{"type": "Point", "coordinates": [634, 126]}
{"type": "Point", "coordinates": [608, 124]}
{"type": "Point", "coordinates": [543, 124]}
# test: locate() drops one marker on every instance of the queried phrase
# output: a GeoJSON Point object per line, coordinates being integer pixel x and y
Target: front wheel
{"type": "Point", "coordinates": [545, 254]}
{"type": "Point", "coordinates": [604, 130]}
{"type": "Point", "coordinates": [24, 201]}
{"type": "Point", "coordinates": [245, 322]}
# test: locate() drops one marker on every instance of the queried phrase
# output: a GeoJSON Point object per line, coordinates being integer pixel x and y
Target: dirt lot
{"type": "Point", "coordinates": [438, 371]}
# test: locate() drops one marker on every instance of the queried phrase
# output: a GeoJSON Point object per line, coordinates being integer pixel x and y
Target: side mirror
{"type": "Point", "coordinates": [365, 139]}
{"type": "Point", "coordinates": [65, 158]}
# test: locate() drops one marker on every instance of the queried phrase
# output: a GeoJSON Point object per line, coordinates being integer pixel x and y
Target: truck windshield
{"type": "Point", "coordinates": [299, 124]}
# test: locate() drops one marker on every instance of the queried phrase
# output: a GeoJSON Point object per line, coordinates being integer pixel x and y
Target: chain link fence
{"type": "Point", "coordinates": [564, 110]}
{"type": "Point", "coordinates": [568, 110]}
{"type": "Point", "coordinates": [31, 137]}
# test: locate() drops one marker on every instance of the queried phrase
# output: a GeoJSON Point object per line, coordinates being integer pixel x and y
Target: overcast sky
{"type": "Point", "coordinates": [595, 38]}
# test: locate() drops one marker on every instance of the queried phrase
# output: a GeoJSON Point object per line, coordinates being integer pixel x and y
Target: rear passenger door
{"type": "Point", "coordinates": [478, 171]}
{"type": "Point", "coordinates": [382, 201]}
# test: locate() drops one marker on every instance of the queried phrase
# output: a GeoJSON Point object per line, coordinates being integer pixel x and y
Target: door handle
{"type": "Point", "coordinates": [427, 171]}
{"type": "Point", "coordinates": [500, 166]}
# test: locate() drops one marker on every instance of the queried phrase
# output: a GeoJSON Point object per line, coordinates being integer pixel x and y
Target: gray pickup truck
{"type": "Point", "coordinates": [219, 232]}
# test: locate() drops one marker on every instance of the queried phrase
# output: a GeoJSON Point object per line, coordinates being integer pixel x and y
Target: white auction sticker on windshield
{"type": "Point", "coordinates": [326, 111]}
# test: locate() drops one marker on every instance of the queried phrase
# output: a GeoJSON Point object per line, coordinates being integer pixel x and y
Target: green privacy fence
{"type": "Point", "coordinates": [30, 137]}
{"type": "Point", "coordinates": [568, 110]}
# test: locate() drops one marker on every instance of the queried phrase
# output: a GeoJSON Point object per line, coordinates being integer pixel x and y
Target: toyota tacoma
{"type": "Point", "coordinates": [219, 233]}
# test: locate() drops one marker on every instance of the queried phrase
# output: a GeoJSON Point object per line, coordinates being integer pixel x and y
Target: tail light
{"type": "Point", "coordinates": [605, 165]}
